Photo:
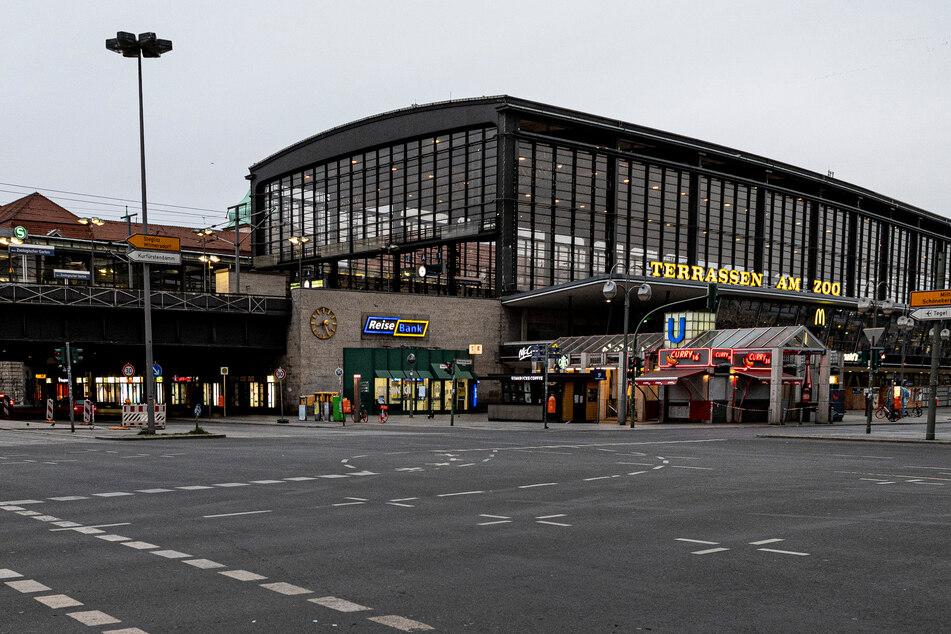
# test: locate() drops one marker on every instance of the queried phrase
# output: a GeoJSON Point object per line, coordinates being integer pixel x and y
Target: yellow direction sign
{"type": "Point", "coordinates": [156, 243]}
{"type": "Point", "coordinates": [921, 299]}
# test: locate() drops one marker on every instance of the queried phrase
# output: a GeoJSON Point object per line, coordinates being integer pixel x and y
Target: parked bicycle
{"type": "Point", "coordinates": [360, 416]}
{"type": "Point", "coordinates": [884, 411]}
{"type": "Point", "coordinates": [384, 413]}
{"type": "Point", "coordinates": [914, 411]}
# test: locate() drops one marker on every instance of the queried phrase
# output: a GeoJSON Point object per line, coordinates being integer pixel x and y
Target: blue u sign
{"type": "Point", "coordinates": [682, 327]}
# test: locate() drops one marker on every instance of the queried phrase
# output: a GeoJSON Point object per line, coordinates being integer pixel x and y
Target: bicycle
{"type": "Point", "coordinates": [360, 416]}
{"type": "Point", "coordinates": [884, 411]}
{"type": "Point", "coordinates": [384, 414]}
{"type": "Point", "coordinates": [914, 411]}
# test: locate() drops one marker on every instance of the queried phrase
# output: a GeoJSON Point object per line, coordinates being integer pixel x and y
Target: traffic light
{"type": "Point", "coordinates": [77, 354]}
{"type": "Point", "coordinates": [712, 298]}
{"type": "Point", "coordinates": [877, 357]}
{"type": "Point", "coordinates": [59, 355]}
{"type": "Point", "coordinates": [634, 365]}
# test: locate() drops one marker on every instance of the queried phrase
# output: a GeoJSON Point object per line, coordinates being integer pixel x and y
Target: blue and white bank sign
{"type": "Point", "coordinates": [395, 326]}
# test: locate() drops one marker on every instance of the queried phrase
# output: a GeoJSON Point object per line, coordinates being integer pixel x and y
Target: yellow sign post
{"type": "Point", "coordinates": [921, 299]}
{"type": "Point", "coordinates": [156, 243]}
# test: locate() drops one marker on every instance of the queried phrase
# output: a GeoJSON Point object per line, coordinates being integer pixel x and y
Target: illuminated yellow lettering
{"type": "Point", "coordinates": [744, 278]}
{"type": "Point", "coordinates": [696, 273]}
{"type": "Point", "coordinates": [669, 270]}
{"type": "Point", "coordinates": [655, 268]}
{"type": "Point", "coordinates": [723, 275]}
{"type": "Point", "coordinates": [782, 283]}
{"type": "Point", "coordinates": [756, 279]}
{"type": "Point", "coordinates": [795, 283]}
{"type": "Point", "coordinates": [683, 272]}
{"type": "Point", "coordinates": [734, 277]}
{"type": "Point", "coordinates": [711, 275]}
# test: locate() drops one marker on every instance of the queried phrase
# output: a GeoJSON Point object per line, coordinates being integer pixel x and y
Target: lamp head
{"type": "Point", "coordinates": [609, 290]}
{"type": "Point", "coordinates": [864, 304]}
{"type": "Point", "coordinates": [888, 307]}
{"type": "Point", "coordinates": [644, 292]}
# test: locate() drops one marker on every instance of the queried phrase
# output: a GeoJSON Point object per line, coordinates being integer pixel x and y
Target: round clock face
{"type": "Point", "coordinates": [323, 323]}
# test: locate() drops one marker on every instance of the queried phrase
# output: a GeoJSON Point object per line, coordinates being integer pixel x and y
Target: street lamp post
{"type": "Point", "coordinates": [147, 45]}
{"type": "Point", "coordinates": [906, 324]}
{"type": "Point", "coordinates": [300, 241]}
{"type": "Point", "coordinates": [610, 292]}
{"type": "Point", "coordinates": [204, 258]}
{"type": "Point", "coordinates": [864, 305]}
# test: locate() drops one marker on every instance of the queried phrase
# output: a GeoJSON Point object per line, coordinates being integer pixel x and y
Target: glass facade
{"type": "Point", "coordinates": [376, 216]}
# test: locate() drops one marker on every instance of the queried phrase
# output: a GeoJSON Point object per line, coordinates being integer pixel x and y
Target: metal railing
{"type": "Point", "coordinates": [104, 297]}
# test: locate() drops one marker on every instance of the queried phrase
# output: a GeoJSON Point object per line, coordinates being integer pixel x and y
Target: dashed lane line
{"type": "Point", "coordinates": [401, 623]}
{"type": "Point", "coordinates": [783, 552]}
{"type": "Point", "coordinates": [340, 605]}
{"type": "Point", "coordinates": [447, 495]}
{"type": "Point", "coordinates": [542, 484]}
{"type": "Point", "coordinates": [235, 514]}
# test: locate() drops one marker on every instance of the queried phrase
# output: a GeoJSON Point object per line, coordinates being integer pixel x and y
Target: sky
{"type": "Point", "coordinates": [858, 87]}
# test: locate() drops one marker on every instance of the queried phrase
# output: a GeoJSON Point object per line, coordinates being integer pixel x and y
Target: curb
{"type": "Point", "coordinates": [856, 439]}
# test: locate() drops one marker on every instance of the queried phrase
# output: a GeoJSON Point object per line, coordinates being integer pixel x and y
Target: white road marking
{"type": "Point", "coordinates": [113, 538]}
{"type": "Point", "coordinates": [139, 545]}
{"type": "Point", "coordinates": [88, 530]}
{"type": "Point", "coordinates": [6, 573]}
{"type": "Point", "coordinates": [350, 466]}
{"type": "Point", "coordinates": [709, 551]}
{"type": "Point", "coordinates": [155, 490]}
{"type": "Point", "coordinates": [93, 617]}
{"type": "Point", "coordinates": [403, 499]}
{"type": "Point", "coordinates": [597, 478]}
{"type": "Point", "coordinates": [695, 541]}
{"type": "Point", "coordinates": [493, 523]}
{"type": "Point", "coordinates": [636, 473]}
{"type": "Point", "coordinates": [446, 495]}
{"type": "Point", "coordinates": [234, 514]}
{"type": "Point", "coordinates": [300, 479]}
{"type": "Point", "coordinates": [410, 469]}
{"type": "Point", "coordinates": [497, 517]}
{"type": "Point", "coordinates": [27, 585]}
{"type": "Point", "coordinates": [548, 517]}
{"type": "Point", "coordinates": [267, 481]}
{"type": "Point", "coordinates": [28, 513]}
{"type": "Point", "coordinates": [110, 525]}
{"type": "Point", "coordinates": [19, 503]}
{"type": "Point", "coordinates": [242, 575]}
{"type": "Point", "coordinates": [285, 588]}
{"type": "Point", "coordinates": [335, 475]}
{"type": "Point", "coordinates": [783, 552]}
{"type": "Point", "coordinates": [678, 466]}
{"type": "Point", "coordinates": [204, 564]}
{"type": "Point", "coordinates": [69, 498]}
{"type": "Point", "coordinates": [551, 523]}
{"type": "Point", "coordinates": [57, 601]}
{"type": "Point", "coordinates": [766, 541]}
{"type": "Point", "coordinates": [194, 487]}
{"type": "Point", "coordinates": [638, 464]}
{"type": "Point", "coordinates": [468, 464]}
{"type": "Point", "coordinates": [340, 605]}
{"type": "Point", "coordinates": [170, 554]}
{"type": "Point", "coordinates": [401, 623]}
{"type": "Point", "coordinates": [349, 503]}
{"type": "Point", "coordinates": [126, 630]}
{"type": "Point", "coordinates": [46, 518]}
{"type": "Point", "coordinates": [113, 494]}
{"type": "Point", "coordinates": [66, 524]}
{"type": "Point", "coordinates": [401, 504]}
{"type": "Point", "coordinates": [543, 484]}
{"type": "Point", "coordinates": [232, 484]}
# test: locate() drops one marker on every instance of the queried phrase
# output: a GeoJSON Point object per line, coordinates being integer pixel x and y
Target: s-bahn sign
{"type": "Point", "coordinates": [736, 277]}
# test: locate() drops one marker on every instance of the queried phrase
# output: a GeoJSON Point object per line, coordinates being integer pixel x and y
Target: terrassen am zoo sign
{"type": "Point", "coordinates": [739, 278]}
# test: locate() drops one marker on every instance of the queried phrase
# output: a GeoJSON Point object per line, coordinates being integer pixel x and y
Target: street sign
{"type": "Point", "coordinates": [931, 314]}
{"type": "Point", "coordinates": [128, 370]}
{"type": "Point", "coordinates": [873, 334]}
{"type": "Point", "coordinates": [463, 361]}
{"type": "Point", "coordinates": [155, 257]}
{"type": "Point", "coordinates": [339, 371]}
{"type": "Point", "coordinates": [20, 233]}
{"type": "Point", "coordinates": [157, 243]}
{"type": "Point", "coordinates": [475, 348]}
{"type": "Point", "coordinates": [280, 374]}
{"type": "Point", "coordinates": [930, 298]}
{"type": "Point", "coordinates": [156, 370]}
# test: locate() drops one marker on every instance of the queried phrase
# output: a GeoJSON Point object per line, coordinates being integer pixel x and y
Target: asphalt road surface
{"type": "Point", "coordinates": [398, 529]}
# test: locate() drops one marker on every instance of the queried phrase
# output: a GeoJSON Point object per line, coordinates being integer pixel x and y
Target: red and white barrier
{"type": "Point", "coordinates": [49, 411]}
{"type": "Point", "coordinates": [138, 415]}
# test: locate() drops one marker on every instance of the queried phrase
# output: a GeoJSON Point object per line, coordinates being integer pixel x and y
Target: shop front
{"type": "Point", "coordinates": [421, 381]}
{"type": "Point", "coordinates": [773, 383]}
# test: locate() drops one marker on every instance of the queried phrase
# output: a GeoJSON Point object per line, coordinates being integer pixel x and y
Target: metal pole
{"type": "Point", "coordinates": [936, 345]}
{"type": "Point", "coordinates": [871, 371]}
{"type": "Point", "coordinates": [545, 392]}
{"type": "Point", "coordinates": [69, 379]}
{"type": "Point", "coordinates": [622, 392]}
{"type": "Point", "coordinates": [237, 257]}
{"type": "Point", "coordinates": [146, 282]}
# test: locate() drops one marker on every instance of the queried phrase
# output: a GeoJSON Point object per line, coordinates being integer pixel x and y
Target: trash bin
{"type": "Point", "coordinates": [836, 405]}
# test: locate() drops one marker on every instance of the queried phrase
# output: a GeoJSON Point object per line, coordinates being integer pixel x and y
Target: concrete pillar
{"type": "Point", "coordinates": [776, 387]}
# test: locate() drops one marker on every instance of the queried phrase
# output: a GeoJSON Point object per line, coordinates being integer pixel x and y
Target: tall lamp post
{"type": "Point", "coordinates": [887, 307]}
{"type": "Point", "coordinates": [906, 324]}
{"type": "Point", "coordinates": [609, 291]}
{"type": "Point", "coordinates": [203, 233]}
{"type": "Point", "coordinates": [147, 45]}
{"type": "Point", "coordinates": [299, 241]}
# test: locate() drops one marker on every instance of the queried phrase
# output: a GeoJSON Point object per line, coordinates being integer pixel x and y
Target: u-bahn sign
{"type": "Point", "coordinates": [922, 299]}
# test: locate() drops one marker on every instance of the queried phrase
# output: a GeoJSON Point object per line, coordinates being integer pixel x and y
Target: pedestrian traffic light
{"type": "Point", "coordinates": [634, 365]}
{"type": "Point", "coordinates": [77, 354]}
{"type": "Point", "coordinates": [59, 355]}
{"type": "Point", "coordinates": [876, 358]}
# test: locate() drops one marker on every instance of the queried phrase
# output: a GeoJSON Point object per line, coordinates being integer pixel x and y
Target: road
{"type": "Point", "coordinates": [390, 529]}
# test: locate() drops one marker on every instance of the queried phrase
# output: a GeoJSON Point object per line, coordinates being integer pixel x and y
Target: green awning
{"type": "Point", "coordinates": [398, 374]}
{"type": "Point", "coordinates": [423, 374]}
{"type": "Point", "coordinates": [464, 374]}
{"type": "Point", "coordinates": [439, 372]}
{"type": "Point", "coordinates": [381, 374]}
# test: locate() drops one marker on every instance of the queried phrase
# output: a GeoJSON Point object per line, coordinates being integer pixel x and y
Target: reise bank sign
{"type": "Point", "coordinates": [395, 326]}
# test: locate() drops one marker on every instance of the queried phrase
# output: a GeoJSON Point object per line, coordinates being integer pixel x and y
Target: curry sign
{"type": "Point", "coordinates": [732, 276]}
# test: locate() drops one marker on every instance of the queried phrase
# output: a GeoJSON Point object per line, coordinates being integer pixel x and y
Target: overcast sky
{"type": "Point", "coordinates": [858, 87]}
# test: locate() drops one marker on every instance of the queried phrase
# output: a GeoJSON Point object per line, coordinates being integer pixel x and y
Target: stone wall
{"type": "Point", "coordinates": [454, 323]}
{"type": "Point", "coordinates": [13, 380]}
